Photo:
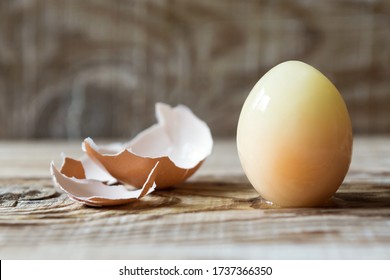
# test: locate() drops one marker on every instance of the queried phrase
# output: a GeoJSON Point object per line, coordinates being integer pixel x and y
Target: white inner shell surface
{"type": "Point", "coordinates": [179, 135]}
{"type": "Point", "coordinates": [86, 189]}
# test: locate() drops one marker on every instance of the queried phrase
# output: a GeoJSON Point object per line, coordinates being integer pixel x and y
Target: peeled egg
{"type": "Point", "coordinates": [294, 136]}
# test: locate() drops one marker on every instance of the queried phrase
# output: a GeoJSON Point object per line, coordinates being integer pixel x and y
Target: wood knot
{"type": "Point", "coordinates": [10, 195]}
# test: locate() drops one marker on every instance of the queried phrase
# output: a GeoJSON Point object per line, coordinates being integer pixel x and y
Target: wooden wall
{"type": "Point", "coordinates": [74, 68]}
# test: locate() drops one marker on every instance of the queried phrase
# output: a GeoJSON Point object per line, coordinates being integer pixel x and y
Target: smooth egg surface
{"type": "Point", "coordinates": [294, 136]}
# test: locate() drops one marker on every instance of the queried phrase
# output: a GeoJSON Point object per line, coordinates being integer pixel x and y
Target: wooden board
{"type": "Point", "coordinates": [217, 214]}
{"type": "Point", "coordinates": [76, 68]}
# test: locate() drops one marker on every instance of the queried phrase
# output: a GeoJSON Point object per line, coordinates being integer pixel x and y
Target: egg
{"type": "Point", "coordinates": [294, 136]}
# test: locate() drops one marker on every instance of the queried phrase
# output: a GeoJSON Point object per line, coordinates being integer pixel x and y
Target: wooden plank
{"type": "Point", "coordinates": [31, 159]}
{"type": "Point", "coordinates": [217, 214]}
{"type": "Point", "coordinates": [75, 68]}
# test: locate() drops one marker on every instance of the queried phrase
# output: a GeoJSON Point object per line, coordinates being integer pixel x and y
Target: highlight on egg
{"type": "Point", "coordinates": [294, 136]}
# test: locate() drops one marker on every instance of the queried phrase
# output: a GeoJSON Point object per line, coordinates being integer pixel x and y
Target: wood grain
{"type": "Point", "coordinates": [216, 214]}
{"type": "Point", "coordinates": [73, 68]}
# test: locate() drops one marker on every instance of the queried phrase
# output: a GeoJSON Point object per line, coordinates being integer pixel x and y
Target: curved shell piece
{"type": "Point", "coordinates": [71, 179]}
{"type": "Point", "coordinates": [180, 142]}
{"type": "Point", "coordinates": [94, 170]}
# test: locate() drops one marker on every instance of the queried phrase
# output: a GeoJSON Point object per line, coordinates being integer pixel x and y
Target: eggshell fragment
{"type": "Point", "coordinates": [71, 179]}
{"type": "Point", "coordinates": [94, 170]}
{"type": "Point", "coordinates": [294, 136]}
{"type": "Point", "coordinates": [180, 142]}
{"type": "Point", "coordinates": [73, 168]}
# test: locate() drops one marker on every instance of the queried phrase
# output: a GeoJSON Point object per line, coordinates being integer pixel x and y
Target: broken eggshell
{"type": "Point", "coordinates": [72, 180]}
{"type": "Point", "coordinates": [94, 170]}
{"type": "Point", "coordinates": [177, 144]}
{"type": "Point", "coordinates": [180, 142]}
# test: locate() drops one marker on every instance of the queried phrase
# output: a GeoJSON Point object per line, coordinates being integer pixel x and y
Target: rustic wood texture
{"type": "Point", "coordinates": [76, 68]}
{"type": "Point", "coordinates": [216, 214]}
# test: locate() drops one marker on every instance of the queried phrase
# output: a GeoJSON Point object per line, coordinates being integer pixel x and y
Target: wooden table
{"type": "Point", "coordinates": [217, 214]}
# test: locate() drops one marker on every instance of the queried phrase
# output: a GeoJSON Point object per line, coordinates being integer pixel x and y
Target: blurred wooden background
{"type": "Point", "coordinates": [76, 68]}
